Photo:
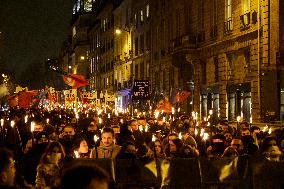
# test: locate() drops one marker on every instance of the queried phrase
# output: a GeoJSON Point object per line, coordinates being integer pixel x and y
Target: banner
{"type": "Point", "coordinates": [51, 95]}
{"type": "Point", "coordinates": [140, 90]}
{"type": "Point", "coordinates": [70, 95]}
{"type": "Point", "coordinates": [88, 95]}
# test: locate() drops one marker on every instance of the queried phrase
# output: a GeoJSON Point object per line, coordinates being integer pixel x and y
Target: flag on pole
{"type": "Point", "coordinates": [25, 98]}
{"type": "Point", "coordinates": [75, 80]}
{"type": "Point", "coordinates": [182, 96]}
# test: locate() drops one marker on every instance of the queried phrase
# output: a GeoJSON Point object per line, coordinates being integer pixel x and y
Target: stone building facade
{"type": "Point", "coordinates": [227, 54]}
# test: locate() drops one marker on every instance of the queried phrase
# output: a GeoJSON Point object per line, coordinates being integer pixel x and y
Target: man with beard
{"type": "Point", "coordinates": [67, 139]}
{"type": "Point", "coordinates": [228, 139]}
{"type": "Point", "coordinates": [107, 148]}
{"type": "Point", "coordinates": [92, 130]}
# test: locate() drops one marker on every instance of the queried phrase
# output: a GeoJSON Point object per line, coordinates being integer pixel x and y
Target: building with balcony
{"type": "Point", "coordinates": [101, 36]}
{"type": "Point", "coordinates": [227, 54]}
{"type": "Point", "coordinates": [236, 65]}
{"type": "Point", "coordinates": [123, 64]}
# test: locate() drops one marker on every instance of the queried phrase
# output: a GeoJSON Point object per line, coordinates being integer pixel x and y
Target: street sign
{"type": "Point", "coordinates": [140, 90]}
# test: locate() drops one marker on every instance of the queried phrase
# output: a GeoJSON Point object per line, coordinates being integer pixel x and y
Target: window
{"type": "Point", "coordinates": [136, 46]}
{"type": "Point", "coordinates": [203, 68]}
{"type": "Point", "coordinates": [282, 104]}
{"type": "Point", "coordinates": [228, 20]}
{"type": "Point", "coordinates": [142, 70]}
{"type": "Point", "coordinates": [136, 71]}
{"type": "Point", "coordinates": [246, 6]}
{"type": "Point", "coordinates": [245, 18]}
{"type": "Point", "coordinates": [142, 43]}
{"type": "Point", "coordinates": [104, 25]}
{"type": "Point", "coordinates": [201, 13]}
{"type": "Point", "coordinates": [231, 66]}
{"type": "Point", "coordinates": [147, 10]}
{"type": "Point", "coordinates": [247, 60]}
{"type": "Point", "coordinates": [229, 9]}
{"type": "Point", "coordinates": [135, 19]}
{"type": "Point", "coordinates": [215, 59]}
{"type": "Point", "coordinates": [141, 16]}
{"type": "Point", "coordinates": [215, 12]}
{"type": "Point", "coordinates": [178, 22]}
{"type": "Point", "coordinates": [214, 18]}
{"type": "Point", "coordinates": [148, 39]}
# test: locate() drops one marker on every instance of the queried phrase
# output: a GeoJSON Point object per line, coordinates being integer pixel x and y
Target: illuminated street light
{"type": "Point", "coordinates": [82, 58]}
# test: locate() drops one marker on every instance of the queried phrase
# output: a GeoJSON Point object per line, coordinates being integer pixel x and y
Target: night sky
{"type": "Point", "coordinates": [32, 31]}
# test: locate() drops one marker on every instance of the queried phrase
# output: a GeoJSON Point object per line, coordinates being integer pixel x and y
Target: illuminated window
{"type": "Point", "coordinates": [229, 9]}
{"type": "Point", "coordinates": [246, 6]}
{"type": "Point", "coordinates": [147, 10]}
{"type": "Point", "coordinates": [215, 12]}
{"type": "Point", "coordinates": [229, 22]}
{"type": "Point", "coordinates": [104, 25]}
{"type": "Point", "coordinates": [141, 16]}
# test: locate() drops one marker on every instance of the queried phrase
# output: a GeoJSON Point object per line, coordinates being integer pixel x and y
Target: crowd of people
{"type": "Point", "coordinates": [39, 148]}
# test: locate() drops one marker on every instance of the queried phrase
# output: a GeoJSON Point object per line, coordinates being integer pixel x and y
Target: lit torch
{"type": "Point", "coordinates": [26, 118]}
{"type": "Point", "coordinates": [32, 126]}
{"type": "Point", "coordinates": [12, 124]}
{"type": "Point", "coordinates": [205, 136]}
{"type": "Point", "coordinates": [2, 122]}
{"type": "Point", "coordinates": [76, 153]}
{"type": "Point", "coordinates": [153, 138]}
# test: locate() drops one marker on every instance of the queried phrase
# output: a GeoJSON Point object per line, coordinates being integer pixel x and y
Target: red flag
{"type": "Point", "coordinates": [13, 100]}
{"type": "Point", "coordinates": [75, 80]}
{"type": "Point", "coordinates": [182, 96]}
{"type": "Point", "coordinates": [25, 98]}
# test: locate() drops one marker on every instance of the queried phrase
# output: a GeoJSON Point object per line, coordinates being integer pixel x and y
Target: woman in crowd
{"type": "Point", "coordinates": [173, 148]}
{"type": "Point", "coordinates": [48, 170]}
{"type": "Point", "coordinates": [156, 147]}
{"type": "Point", "coordinates": [270, 149]}
{"type": "Point", "coordinates": [82, 148]}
